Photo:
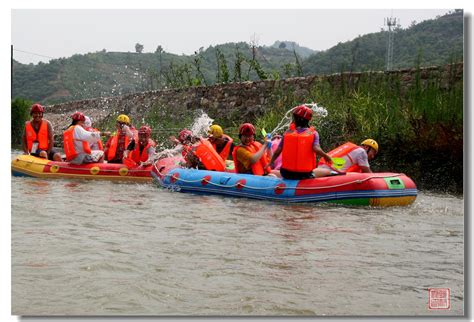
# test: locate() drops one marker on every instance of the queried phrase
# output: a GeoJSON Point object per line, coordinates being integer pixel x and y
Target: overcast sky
{"type": "Point", "coordinates": [63, 33]}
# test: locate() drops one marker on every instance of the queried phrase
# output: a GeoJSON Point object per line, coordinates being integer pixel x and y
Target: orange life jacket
{"type": "Point", "coordinates": [138, 157]}
{"type": "Point", "coordinates": [298, 154]}
{"type": "Point", "coordinates": [342, 151]}
{"type": "Point", "coordinates": [258, 168]}
{"type": "Point", "coordinates": [99, 143]}
{"type": "Point", "coordinates": [226, 150]}
{"type": "Point", "coordinates": [68, 143]}
{"type": "Point", "coordinates": [208, 156]}
{"type": "Point", "coordinates": [114, 143]}
{"type": "Point", "coordinates": [41, 137]}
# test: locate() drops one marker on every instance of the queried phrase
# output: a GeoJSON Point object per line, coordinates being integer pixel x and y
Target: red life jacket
{"type": "Point", "coordinates": [114, 143]}
{"type": "Point", "coordinates": [41, 137]}
{"type": "Point", "coordinates": [208, 156]}
{"type": "Point", "coordinates": [138, 157]}
{"type": "Point", "coordinates": [68, 144]}
{"type": "Point", "coordinates": [258, 168]}
{"type": "Point", "coordinates": [226, 150]}
{"type": "Point", "coordinates": [342, 151]}
{"type": "Point", "coordinates": [298, 154]}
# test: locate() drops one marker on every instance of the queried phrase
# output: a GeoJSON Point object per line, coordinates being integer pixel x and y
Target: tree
{"type": "Point", "coordinates": [158, 50]}
{"type": "Point", "coordinates": [282, 45]}
{"type": "Point", "coordinates": [139, 48]}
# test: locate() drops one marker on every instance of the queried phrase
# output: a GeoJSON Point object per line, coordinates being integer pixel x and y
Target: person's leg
{"type": "Point", "coordinates": [43, 154]}
{"type": "Point", "coordinates": [321, 172]}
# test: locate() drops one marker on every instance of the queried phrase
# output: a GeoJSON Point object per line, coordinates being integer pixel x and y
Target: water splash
{"type": "Point", "coordinates": [285, 122]}
{"type": "Point", "coordinates": [199, 128]}
{"type": "Point", "coordinates": [201, 124]}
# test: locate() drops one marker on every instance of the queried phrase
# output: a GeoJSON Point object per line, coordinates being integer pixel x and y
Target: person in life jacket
{"type": "Point", "coordinates": [299, 147]}
{"type": "Point", "coordinates": [143, 152]}
{"type": "Point", "coordinates": [38, 136]}
{"type": "Point", "coordinates": [184, 142]}
{"type": "Point", "coordinates": [88, 127]}
{"type": "Point", "coordinates": [251, 156]}
{"type": "Point", "coordinates": [118, 143]}
{"type": "Point", "coordinates": [350, 157]}
{"type": "Point", "coordinates": [77, 142]}
{"type": "Point", "coordinates": [221, 142]}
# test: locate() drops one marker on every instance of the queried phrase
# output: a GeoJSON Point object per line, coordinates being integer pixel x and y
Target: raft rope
{"type": "Point", "coordinates": [240, 185]}
{"type": "Point", "coordinates": [74, 168]}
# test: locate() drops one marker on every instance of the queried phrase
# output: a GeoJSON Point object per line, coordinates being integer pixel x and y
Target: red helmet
{"type": "Point", "coordinates": [247, 129]}
{"type": "Point", "coordinates": [36, 108]}
{"type": "Point", "coordinates": [303, 111]}
{"type": "Point", "coordinates": [145, 130]}
{"type": "Point", "coordinates": [184, 135]}
{"type": "Point", "coordinates": [78, 116]}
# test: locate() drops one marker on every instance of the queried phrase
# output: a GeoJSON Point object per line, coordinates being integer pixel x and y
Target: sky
{"type": "Point", "coordinates": [43, 34]}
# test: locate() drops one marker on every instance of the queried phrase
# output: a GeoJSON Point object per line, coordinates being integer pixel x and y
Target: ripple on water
{"type": "Point", "coordinates": [81, 247]}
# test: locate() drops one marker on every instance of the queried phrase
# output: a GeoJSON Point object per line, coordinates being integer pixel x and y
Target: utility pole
{"type": "Point", "coordinates": [390, 22]}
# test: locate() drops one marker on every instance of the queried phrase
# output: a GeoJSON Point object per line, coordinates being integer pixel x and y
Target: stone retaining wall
{"type": "Point", "coordinates": [243, 101]}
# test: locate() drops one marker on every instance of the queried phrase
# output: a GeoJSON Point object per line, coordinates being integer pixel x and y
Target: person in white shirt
{"type": "Point", "coordinates": [78, 141]}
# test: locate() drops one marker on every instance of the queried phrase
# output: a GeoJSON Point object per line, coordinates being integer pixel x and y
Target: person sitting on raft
{"type": "Point", "coordinates": [117, 143]}
{"type": "Point", "coordinates": [221, 142]}
{"type": "Point", "coordinates": [299, 147]}
{"type": "Point", "coordinates": [350, 158]}
{"type": "Point", "coordinates": [38, 136]}
{"type": "Point", "coordinates": [77, 142]}
{"type": "Point", "coordinates": [143, 152]}
{"type": "Point", "coordinates": [88, 127]}
{"type": "Point", "coordinates": [198, 153]}
{"type": "Point", "coordinates": [251, 156]}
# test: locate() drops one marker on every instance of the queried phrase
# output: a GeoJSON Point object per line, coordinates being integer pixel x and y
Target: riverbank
{"type": "Point", "coordinates": [416, 115]}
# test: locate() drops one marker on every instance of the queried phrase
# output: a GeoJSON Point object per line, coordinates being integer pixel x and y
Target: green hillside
{"type": "Point", "coordinates": [433, 42]}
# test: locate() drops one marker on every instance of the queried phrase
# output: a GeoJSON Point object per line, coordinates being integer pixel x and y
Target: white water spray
{"type": "Point", "coordinates": [287, 118]}
{"type": "Point", "coordinates": [199, 128]}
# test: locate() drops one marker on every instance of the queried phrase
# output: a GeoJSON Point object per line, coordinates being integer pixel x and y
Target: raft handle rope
{"type": "Point", "coordinates": [74, 168]}
{"type": "Point", "coordinates": [240, 185]}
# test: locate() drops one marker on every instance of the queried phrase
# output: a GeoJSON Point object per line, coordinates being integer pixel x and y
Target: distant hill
{"type": "Point", "coordinates": [304, 52]}
{"type": "Point", "coordinates": [433, 42]}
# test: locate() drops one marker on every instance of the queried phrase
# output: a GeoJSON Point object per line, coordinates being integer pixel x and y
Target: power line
{"type": "Point", "coordinates": [28, 52]}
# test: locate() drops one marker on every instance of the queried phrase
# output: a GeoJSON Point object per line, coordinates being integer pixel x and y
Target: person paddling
{"type": "Point", "coordinates": [118, 143]}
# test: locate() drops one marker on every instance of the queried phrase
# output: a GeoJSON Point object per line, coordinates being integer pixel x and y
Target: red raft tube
{"type": "Point", "coordinates": [30, 166]}
{"type": "Point", "coordinates": [367, 189]}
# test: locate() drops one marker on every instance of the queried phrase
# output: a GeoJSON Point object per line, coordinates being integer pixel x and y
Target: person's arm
{"type": "Point", "coordinates": [128, 131]}
{"type": "Point", "coordinates": [256, 157]}
{"type": "Point", "coordinates": [362, 161]}
{"type": "Point", "coordinates": [365, 169]}
{"type": "Point", "coordinates": [275, 155]}
{"type": "Point", "coordinates": [151, 157]}
{"type": "Point", "coordinates": [50, 137]}
{"type": "Point", "coordinates": [317, 149]}
{"type": "Point", "coordinates": [24, 142]}
{"type": "Point", "coordinates": [82, 134]}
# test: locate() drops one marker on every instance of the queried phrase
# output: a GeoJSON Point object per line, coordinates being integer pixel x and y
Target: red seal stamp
{"type": "Point", "coordinates": [439, 299]}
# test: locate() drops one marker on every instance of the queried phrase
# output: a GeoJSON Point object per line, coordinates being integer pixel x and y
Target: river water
{"type": "Point", "coordinates": [104, 248]}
